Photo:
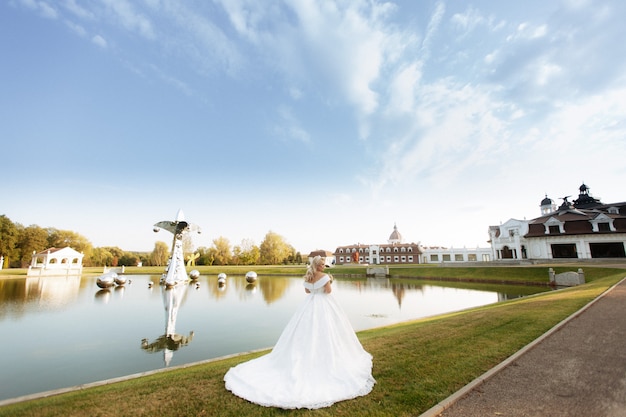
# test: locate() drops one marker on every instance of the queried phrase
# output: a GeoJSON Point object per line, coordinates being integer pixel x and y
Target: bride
{"type": "Point", "coordinates": [316, 361]}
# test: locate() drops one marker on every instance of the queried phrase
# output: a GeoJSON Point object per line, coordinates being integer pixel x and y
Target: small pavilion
{"type": "Point", "coordinates": [56, 261]}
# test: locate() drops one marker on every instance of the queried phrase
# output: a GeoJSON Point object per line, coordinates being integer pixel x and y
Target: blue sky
{"type": "Point", "coordinates": [326, 122]}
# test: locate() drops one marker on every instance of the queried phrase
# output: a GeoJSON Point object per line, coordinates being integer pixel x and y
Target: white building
{"type": "Point", "coordinates": [54, 261]}
{"type": "Point", "coordinates": [329, 257]}
{"type": "Point", "coordinates": [583, 229]}
{"type": "Point", "coordinates": [396, 252]}
{"type": "Point", "coordinates": [507, 240]}
{"type": "Point", "coordinates": [393, 252]}
{"type": "Point", "coordinates": [440, 254]}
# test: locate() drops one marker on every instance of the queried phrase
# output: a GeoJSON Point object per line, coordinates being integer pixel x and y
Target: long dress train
{"type": "Point", "coordinates": [317, 360]}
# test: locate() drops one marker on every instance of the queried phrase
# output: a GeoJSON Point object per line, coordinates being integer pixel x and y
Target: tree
{"type": "Point", "coordinates": [223, 254]}
{"type": "Point", "coordinates": [8, 238]}
{"type": "Point", "coordinates": [203, 259]}
{"type": "Point", "coordinates": [129, 259]}
{"type": "Point", "coordinates": [274, 249]}
{"type": "Point", "coordinates": [116, 254]}
{"type": "Point", "coordinates": [159, 255]}
{"type": "Point", "coordinates": [31, 239]}
{"type": "Point", "coordinates": [101, 257]}
{"type": "Point", "coordinates": [210, 255]}
{"type": "Point", "coordinates": [188, 247]}
{"type": "Point", "coordinates": [64, 238]}
{"type": "Point", "coordinates": [246, 254]}
{"type": "Point", "coordinates": [293, 257]}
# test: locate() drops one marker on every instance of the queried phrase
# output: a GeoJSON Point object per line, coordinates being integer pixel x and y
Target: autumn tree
{"type": "Point", "coordinates": [159, 255]}
{"type": "Point", "coordinates": [274, 249]}
{"type": "Point", "coordinates": [101, 257]}
{"type": "Point", "coordinates": [246, 254]}
{"type": "Point", "coordinates": [204, 258]}
{"type": "Point", "coordinates": [8, 239]}
{"type": "Point", "coordinates": [223, 254]}
{"type": "Point", "coordinates": [116, 254]}
{"type": "Point", "coordinates": [64, 238]}
{"type": "Point", "coordinates": [129, 259]}
{"type": "Point", "coordinates": [30, 239]}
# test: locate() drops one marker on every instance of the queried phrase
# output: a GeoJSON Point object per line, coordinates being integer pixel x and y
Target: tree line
{"type": "Point", "coordinates": [18, 243]}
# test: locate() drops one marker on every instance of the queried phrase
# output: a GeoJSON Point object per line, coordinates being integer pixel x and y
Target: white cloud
{"type": "Point", "coordinates": [468, 20]}
{"type": "Point", "coordinates": [247, 16]}
{"type": "Point", "coordinates": [546, 72]}
{"type": "Point", "coordinates": [130, 19]}
{"type": "Point", "coordinates": [48, 11]}
{"type": "Point", "coordinates": [99, 40]}
{"type": "Point", "coordinates": [402, 89]}
{"type": "Point", "coordinates": [433, 26]}
{"type": "Point", "coordinates": [77, 10]}
{"type": "Point", "coordinates": [76, 28]}
{"type": "Point", "coordinates": [288, 128]}
{"type": "Point", "coordinates": [528, 30]}
{"type": "Point", "coordinates": [346, 45]}
{"type": "Point", "coordinates": [200, 41]}
{"type": "Point", "coordinates": [341, 47]}
{"type": "Point", "coordinates": [295, 93]}
{"type": "Point", "coordinates": [43, 8]}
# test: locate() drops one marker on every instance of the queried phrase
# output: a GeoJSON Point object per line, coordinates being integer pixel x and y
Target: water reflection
{"type": "Point", "coordinates": [128, 322]}
{"type": "Point", "coordinates": [58, 290]}
{"type": "Point", "coordinates": [173, 298]}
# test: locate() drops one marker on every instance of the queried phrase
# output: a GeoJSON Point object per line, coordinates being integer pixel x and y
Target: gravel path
{"type": "Point", "coordinates": [577, 369]}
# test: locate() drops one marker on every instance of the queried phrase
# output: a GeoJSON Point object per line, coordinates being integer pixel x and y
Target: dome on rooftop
{"type": "Point", "coordinates": [395, 236]}
{"type": "Point", "coordinates": [546, 201]}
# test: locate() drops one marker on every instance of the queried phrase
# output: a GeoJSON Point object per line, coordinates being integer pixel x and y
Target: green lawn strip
{"type": "Point", "coordinates": [416, 364]}
{"type": "Point", "coordinates": [520, 274]}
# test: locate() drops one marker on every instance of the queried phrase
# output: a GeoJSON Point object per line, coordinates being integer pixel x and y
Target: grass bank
{"type": "Point", "coordinates": [416, 364]}
{"type": "Point", "coordinates": [481, 274]}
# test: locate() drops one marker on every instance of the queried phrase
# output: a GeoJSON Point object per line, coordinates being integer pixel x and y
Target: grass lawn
{"type": "Point", "coordinates": [416, 364]}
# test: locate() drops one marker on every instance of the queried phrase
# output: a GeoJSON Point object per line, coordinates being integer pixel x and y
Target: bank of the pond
{"type": "Point", "coordinates": [416, 364]}
{"type": "Point", "coordinates": [491, 272]}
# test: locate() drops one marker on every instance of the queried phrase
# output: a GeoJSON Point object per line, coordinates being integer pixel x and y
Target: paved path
{"type": "Point", "coordinates": [578, 369]}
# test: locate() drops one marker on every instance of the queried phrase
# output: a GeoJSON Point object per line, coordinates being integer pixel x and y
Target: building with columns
{"type": "Point", "coordinates": [56, 261]}
{"type": "Point", "coordinates": [585, 228]}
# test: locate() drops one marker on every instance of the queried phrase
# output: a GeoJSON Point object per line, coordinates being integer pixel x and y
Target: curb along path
{"type": "Point", "coordinates": [577, 369]}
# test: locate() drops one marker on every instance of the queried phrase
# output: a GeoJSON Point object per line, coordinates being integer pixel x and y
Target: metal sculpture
{"type": "Point", "coordinates": [251, 277]}
{"type": "Point", "coordinates": [175, 272]}
{"type": "Point", "coordinates": [106, 280]}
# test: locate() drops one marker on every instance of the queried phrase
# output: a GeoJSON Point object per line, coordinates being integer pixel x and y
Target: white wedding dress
{"type": "Point", "coordinates": [317, 361]}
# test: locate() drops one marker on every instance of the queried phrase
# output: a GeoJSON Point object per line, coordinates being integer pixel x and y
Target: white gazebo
{"type": "Point", "coordinates": [55, 261]}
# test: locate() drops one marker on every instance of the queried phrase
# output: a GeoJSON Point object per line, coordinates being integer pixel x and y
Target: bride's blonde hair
{"type": "Point", "coordinates": [310, 271]}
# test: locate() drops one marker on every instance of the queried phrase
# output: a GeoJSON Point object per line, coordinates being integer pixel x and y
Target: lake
{"type": "Point", "coordinates": [65, 331]}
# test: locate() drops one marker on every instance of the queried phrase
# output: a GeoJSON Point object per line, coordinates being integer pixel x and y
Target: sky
{"type": "Point", "coordinates": [326, 122]}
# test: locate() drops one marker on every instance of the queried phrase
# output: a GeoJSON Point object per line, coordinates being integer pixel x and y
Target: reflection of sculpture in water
{"type": "Point", "coordinates": [170, 341]}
